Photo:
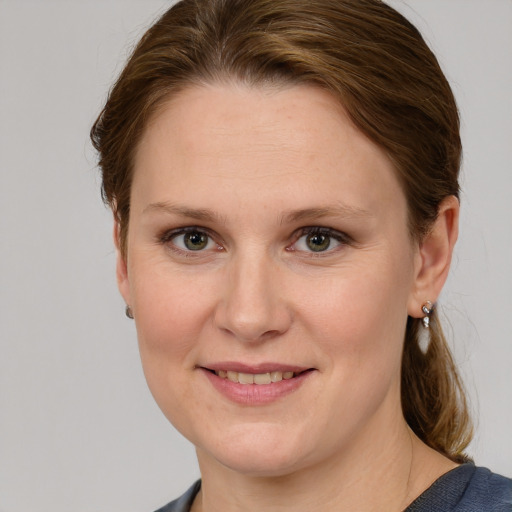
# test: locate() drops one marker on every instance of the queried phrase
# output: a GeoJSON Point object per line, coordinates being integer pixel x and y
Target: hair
{"type": "Point", "coordinates": [377, 65]}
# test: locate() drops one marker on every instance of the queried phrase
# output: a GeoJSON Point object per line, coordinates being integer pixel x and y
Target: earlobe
{"type": "Point", "coordinates": [121, 267]}
{"type": "Point", "coordinates": [434, 257]}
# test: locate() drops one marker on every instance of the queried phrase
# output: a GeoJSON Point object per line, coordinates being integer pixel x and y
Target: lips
{"type": "Point", "coordinates": [255, 385]}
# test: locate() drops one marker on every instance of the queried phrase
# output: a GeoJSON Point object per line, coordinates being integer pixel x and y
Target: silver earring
{"type": "Point", "coordinates": [128, 312]}
{"type": "Point", "coordinates": [427, 309]}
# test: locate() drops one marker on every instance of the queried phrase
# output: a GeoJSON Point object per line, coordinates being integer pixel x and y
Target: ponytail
{"type": "Point", "coordinates": [433, 398]}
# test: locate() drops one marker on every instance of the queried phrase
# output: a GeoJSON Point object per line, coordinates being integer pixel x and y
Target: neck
{"type": "Point", "coordinates": [369, 476]}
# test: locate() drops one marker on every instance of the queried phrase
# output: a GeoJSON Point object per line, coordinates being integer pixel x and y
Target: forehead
{"type": "Point", "coordinates": [248, 141]}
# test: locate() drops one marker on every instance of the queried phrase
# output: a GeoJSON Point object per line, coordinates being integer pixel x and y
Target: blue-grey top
{"type": "Point", "coordinates": [466, 488]}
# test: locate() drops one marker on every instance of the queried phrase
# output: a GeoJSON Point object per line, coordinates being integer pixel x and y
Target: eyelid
{"type": "Point", "coordinates": [168, 235]}
{"type": "Point", "coordinates": [339, 236]}
{"type": "Point", "coordinates": [334, 233]}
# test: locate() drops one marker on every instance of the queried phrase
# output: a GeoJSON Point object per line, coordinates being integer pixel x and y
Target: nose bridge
{"type": "Point", "coordinates": [252, 307]}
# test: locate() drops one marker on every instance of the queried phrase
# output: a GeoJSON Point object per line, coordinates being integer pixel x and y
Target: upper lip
{"type": "Point", "coordinates": [267, 367]}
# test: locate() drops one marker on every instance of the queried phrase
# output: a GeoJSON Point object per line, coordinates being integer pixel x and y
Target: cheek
{"type": "Point", "coordinates": [172, 310]}
{"type": "Point", "coordinates": [171, 315]}
{"type": "Point", "coordinates": [359, 316]}
{"type": "Point", "coordinates": [358, 323]}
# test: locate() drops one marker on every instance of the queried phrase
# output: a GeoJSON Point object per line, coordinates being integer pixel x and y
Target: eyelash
{"type": "Point", "coordinates": [167, 238]}
{"type": "Point", "coordinates": [343, 239]}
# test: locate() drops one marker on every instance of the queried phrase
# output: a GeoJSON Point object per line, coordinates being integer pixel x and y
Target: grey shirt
{"type": "Point", "coordinates": [466, 488]}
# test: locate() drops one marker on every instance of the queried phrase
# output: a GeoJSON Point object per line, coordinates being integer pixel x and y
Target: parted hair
{"type": "Point", "coordinates": [371, 59]}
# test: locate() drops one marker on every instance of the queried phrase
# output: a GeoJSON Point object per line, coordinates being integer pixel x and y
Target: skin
{"type": "Point", "coordinates": [266, 163]}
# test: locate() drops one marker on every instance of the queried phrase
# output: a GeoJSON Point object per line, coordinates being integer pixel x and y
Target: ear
{"type": "Point", "coordinates": [434, 257]}
{"type": "Point", "coordinates": [123, 282]}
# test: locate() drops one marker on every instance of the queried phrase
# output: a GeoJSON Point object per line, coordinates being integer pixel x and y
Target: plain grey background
{"type": "Point", "coordinates": [78, 428]}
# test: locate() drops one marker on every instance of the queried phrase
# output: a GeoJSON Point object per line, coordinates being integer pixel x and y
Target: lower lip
{"type": "Point", "coordinates": [255, 394]}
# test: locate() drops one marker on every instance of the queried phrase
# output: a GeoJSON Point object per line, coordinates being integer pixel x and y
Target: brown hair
{"type": "Point", "coordinates": [383, 73]}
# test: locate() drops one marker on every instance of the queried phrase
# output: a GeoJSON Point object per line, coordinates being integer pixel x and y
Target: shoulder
{"type": "Point", "coordinates": [184, 502]}
{"type": "Point", "coordinates": [466, 488]}
{"type": "Point", "coordinates": [487, 491]}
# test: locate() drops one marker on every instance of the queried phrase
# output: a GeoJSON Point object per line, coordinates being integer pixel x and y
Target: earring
{"type": "Point", "coordinates": [427, 309]}
{"type": "Point", "coordinates": [128, 312]}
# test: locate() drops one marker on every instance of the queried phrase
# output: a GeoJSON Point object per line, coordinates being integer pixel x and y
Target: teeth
{"type": "Point", "coordinates": [245, 378]}
{"type": "Point", "coordinates": [262, 378]}
{"type": "Point", "coordinates": [276, 376]}
{"type": "Point", "coordinates": [258, 378]}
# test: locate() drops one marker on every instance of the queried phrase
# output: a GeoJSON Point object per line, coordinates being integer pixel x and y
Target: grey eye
{"type": "Point", "coordinates": [318, 242]}
{"type": "Point", "coordinates": [193, 240]}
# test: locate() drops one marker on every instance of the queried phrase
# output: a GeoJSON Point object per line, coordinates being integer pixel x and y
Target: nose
{"type": "Point", "coordinates": [252, 307]}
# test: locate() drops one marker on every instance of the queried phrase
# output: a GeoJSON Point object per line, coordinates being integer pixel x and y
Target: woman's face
{"type": "Point", "coordinates": [268, 239]}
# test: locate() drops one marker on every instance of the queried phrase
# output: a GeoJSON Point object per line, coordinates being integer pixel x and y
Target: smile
{"type": "Point", "coordinates": [256, 378]}
{"type": "Point", "coordinates": [253, 385]}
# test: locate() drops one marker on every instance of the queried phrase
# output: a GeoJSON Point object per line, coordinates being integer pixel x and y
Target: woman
{"type": "Point", "coordinates": [284, 181]}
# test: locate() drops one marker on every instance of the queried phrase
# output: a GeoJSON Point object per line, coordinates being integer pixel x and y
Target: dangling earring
{"type": "Point", "coordinates": [427, 309]}
{"type": "Point", "coordinates": [128, 312]}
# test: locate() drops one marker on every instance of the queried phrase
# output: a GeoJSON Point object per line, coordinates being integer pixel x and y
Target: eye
{"type": "Point", "coordinates": [318, 240]}
{"type": "Point", "coordinates": [190, 239]}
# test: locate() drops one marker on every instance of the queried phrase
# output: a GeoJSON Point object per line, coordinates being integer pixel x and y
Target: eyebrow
{"type": "Point", "coordinates": [202, 214]}
{"type": "Point", "coordinates": [338, 210]}
{"type": "Point", "coordinates": [290, 216]}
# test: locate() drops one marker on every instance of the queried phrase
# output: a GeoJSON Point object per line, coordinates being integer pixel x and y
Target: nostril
{"type": "Point", "coordinates": [248, 336]}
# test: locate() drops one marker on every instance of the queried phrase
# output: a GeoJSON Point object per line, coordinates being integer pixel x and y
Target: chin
{"type": "Point", "coordinates": [259, 451]}
{"type": "Point", "coordinates": [264, 465]}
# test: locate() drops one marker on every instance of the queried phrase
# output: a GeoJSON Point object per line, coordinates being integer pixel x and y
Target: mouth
{"type": "Point", "coordinates": [259, 375]}
{"type": "Point", "coordinates": [252, 385]}
{"type": "Point", "coordinates": [256, 378]}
